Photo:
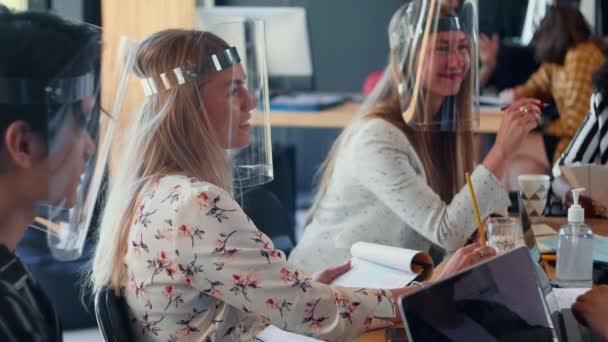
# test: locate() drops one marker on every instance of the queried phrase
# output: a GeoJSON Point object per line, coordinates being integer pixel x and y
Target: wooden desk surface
{"type": "Point", "coordinates": [599, 226]}
{"type": "Point", "coordinates": [340, 116]}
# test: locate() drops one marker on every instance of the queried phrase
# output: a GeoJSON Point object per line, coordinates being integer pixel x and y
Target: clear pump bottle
{"type": "Point", "coordinates": [575, 248]}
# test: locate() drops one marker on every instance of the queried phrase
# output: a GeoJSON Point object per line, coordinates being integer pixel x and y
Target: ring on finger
{"type": "Point", "coordinates": [524, 109]}
{"type": "Point", "coordinates": [479, 252]}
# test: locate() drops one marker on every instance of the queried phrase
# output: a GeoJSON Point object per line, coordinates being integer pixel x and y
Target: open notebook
{"type": "Point", "coordinates": [379, 266]}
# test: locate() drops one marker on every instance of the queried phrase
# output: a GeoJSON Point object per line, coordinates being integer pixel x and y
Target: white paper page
{"type": "Point", "coordinates": [393, 257]}
{"type": "Point", "coordinates": [274, 334]}
{"type": "Point", "coordinates": [542, 229]}
{"type": "Point", "coordinates": [370, 275]}
{"type": "Point", "coordinates": [567, 296]}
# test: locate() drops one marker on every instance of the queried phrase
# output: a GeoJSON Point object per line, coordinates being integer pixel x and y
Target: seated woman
{"type": "Point", "coordinates": [190, 263]}
{"type": "Point", "coordinates": [590, 143]}
{"type": "Point", "coordinates": [398, 179]}
{"type": "Point", "coordinates": [569, 55]}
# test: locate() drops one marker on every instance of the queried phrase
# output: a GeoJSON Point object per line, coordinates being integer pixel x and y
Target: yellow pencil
{"type": "Point", "coordinates": [480, 229]}
{"type": "Point", "coordinates": [54, 227]}
{"type": "Point", "coordinates": [549, 257]}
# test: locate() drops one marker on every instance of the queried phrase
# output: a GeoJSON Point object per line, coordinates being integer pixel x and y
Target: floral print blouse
{"type": "Point", "coordinates": [199, 270]}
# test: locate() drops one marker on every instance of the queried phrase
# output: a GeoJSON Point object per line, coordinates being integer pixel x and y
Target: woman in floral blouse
{"type": "Point", "coordinates": [191, 264]}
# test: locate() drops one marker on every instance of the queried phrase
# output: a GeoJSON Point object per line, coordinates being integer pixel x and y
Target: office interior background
{"type": "Point", "coordinates": [319, 47]}
{"type": "Point", "coordinates": [338, 43]}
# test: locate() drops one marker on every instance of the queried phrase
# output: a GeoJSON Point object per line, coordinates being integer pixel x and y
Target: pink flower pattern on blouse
{"type": "Point", "coordinates": [199, 270]}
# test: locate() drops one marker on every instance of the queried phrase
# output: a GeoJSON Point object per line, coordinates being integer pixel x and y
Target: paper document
{"type": "Point", "coordinates": [567, 296]}
{"type": "Point", "coordinates": [274, 334]}
{"type": "Point", "coordinates": [592, 177]}
{"type": "Point", "coordinates": [379, 266]}
{"type": "Point", "coordinates": [542, 229]}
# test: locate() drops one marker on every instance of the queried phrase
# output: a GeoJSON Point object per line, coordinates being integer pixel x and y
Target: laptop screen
{"type": "Point", "coordinates": [498, 300]}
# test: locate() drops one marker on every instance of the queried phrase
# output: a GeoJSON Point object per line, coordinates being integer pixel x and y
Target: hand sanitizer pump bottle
{"type": "Point", "coordinates": [575, 248]}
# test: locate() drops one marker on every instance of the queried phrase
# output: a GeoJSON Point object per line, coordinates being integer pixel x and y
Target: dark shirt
{"type": "Point", "coordinates": [514, 63]}
{"type": "Point", "coordinates": [506, 18]}
{"type": "Point", "coordinates": [26, 314]}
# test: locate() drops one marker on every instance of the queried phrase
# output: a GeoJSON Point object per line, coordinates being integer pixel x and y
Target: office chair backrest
{"type": "Point", "coordinates": [270, 216]}
{"type": "Point", "coordinates": [112, 316]}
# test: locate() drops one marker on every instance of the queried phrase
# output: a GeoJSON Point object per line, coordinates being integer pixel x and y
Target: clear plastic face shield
{"type": "Point", "coordinates": [226, 63]}
{"type": "Point", "coordinates": [434, 65]}
{"type": "Point", "coordinates": [74, 163]}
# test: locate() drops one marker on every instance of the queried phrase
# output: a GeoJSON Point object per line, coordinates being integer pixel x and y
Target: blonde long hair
{"type": "Point", "coordinates": [445, 156]}
{"type": "Point", "coordinates": [170, 134]}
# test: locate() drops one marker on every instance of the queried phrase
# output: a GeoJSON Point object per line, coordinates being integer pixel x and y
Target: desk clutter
{"type": "Point", "coordinates": [306, 102]}
{"type": "Point", "coordinates": [600, 247]}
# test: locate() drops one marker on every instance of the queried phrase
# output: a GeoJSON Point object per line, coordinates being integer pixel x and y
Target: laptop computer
{"type": "Point", "coordinates": [502, 299]}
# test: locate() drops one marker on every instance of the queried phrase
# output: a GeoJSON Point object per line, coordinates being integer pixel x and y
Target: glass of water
{"type": "Point", "coordinates": [504, 234]}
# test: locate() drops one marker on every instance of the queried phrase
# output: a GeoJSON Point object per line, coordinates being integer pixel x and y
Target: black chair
{"type": "Point", "coordinates": [284, 182]}
{"type": "Point", "coordinates": [270, 216]}
{"type": "Point", "coordinates": [112, 316]}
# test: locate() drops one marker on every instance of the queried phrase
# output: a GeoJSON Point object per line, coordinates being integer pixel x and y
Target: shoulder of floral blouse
{"type": "Point", "coordinates": [189, 183]}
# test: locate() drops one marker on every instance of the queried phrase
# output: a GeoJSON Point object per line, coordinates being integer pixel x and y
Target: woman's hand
{"type": "Point", "coordinates": [591, 309]}
{"type": "Point", "coordinates": [328, 275]}
{"type": "Point", "coordinates": [519, 119]}
{"type": "Point", "coordinates": [465, 257]}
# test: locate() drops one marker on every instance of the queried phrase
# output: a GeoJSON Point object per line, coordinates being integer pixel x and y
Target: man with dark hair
{"type": "Point", "coordinates": [49, 120]}
{"type": "Point", "coordinates": [504, 63]}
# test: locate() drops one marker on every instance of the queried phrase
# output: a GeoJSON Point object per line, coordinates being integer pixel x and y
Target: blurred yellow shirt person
{"type": "Point", "coordinates": [569, 55]}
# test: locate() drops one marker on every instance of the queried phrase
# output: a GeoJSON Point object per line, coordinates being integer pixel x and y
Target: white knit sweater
{"type": "Point", "coordinates": [379, 193]}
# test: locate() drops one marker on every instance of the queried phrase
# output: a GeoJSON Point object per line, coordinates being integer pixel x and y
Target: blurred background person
{"type": "Point", "coordinates": [569, 55]}
{"type": "Point", "coordinates": [590, 144]}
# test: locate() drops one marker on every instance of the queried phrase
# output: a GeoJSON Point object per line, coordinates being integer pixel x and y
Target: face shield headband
{"type": "Point", "coordinates": [182, 75]}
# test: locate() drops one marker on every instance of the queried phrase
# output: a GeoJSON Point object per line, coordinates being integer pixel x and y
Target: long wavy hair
{"type": "Point", "coordinates": [445, 156]}
{"type": "Point", "coordinates": [170, 134]}
{"type": "Point", "coordinates": [561, 29]}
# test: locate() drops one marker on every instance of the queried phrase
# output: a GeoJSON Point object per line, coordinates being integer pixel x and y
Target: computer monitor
{"type": "Point", "coordinates": [287, 42]}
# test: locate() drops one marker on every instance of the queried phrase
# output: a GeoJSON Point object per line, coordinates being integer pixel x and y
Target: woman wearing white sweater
{"type": "Point", "coordinates": [395, 176]}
